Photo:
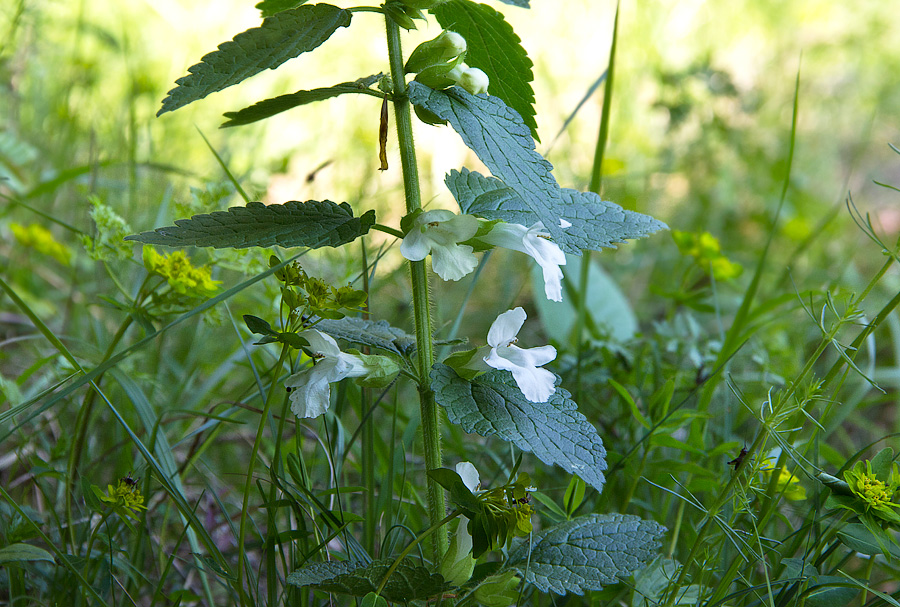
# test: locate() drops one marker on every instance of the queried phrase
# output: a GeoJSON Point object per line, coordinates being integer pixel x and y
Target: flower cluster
{"type": "Point", "coordinates": [707, 253]}
{"type": "Point", "coordinates": [313, 295]}
{"type": "Point", "coordinates": [181, 276]}
{"type": "Point", "coordinates": [787, 483]}
{"type": "Point", "coordinates": [876, 495]}
{"type": "Point", "coordinates": [40, 239]}
{"type": "Point", "coordinates": [124, 498]}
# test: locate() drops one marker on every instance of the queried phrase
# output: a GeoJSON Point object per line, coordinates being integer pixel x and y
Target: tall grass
{"type": "Point", "coordinates": [793, 364]}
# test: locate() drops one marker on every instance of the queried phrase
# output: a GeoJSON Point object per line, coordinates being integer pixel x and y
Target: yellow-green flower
{"type": "Point", "coordinates": [125, 497]}
{"type": "Point", "coordinates": [787, 484]}
{"type": "Point", "coordinates": [876, 495]}
{"type": "Point", "coordinates": [40, 239]}
{"type": "Point", "coordinates": [183, 277]}
{"type": "Point", "coordinates": [707, 253]}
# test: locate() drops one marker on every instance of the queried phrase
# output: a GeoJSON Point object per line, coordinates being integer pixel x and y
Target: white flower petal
{"type": "Point", "coordinates": [535, 242]}
{"type": "Point", "coordinates": [311, 391]}
{"type": "Point", "coordinates": [528, 357]}
{"type": "Point", "coordinates": [535, 383]}
{"type": "Point", "coordinates": [506, 327]}
{"type": "Point", "coordinates": [469, 475]}
{"type": "Point", "coordinates": [453, 262]}
{"type": "Point", "coordinates": [309, 398]}
{"type": "Point", "coordinates": [439, 232]}
{"type": "Point", "coordinates": [415, 245]}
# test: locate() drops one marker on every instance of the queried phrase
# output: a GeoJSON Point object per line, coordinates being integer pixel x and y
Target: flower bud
{"type": "Point", "coordinates": [458, 564]}
{"type": "Point", "coordinates": [438, 51]}
{"type": "Point", "coordinates": [474, 80]}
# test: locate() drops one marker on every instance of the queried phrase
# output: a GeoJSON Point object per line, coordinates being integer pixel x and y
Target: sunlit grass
{"type": "Point", "coordinates": [700, 132]}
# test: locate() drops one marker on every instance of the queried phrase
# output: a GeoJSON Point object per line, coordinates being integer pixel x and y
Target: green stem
{"type": "Point", "coordinates": [596, 186]}
{"type": "Point", "coordinates": [248, 484]}
{"type": "Point", "coordinates": [413, 544]}
{"type": "Point", "coordinates": [81, 426]}
{"type": "Point", "coordinates": [431, 421]}
{"type": "Point", "coordinates": [387, 230]}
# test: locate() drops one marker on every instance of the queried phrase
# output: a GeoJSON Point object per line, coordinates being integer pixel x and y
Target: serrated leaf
{"type": "Point", "coordinates": [493, 405]}
{"type": "Point", "coordinates": [282, 36]}
{"type": "Point", "coordinates": [23, 552]}
{"type": "Point", "coordinates": [587, 552]}
{"type": "Point", "coordinates": [313, 224]}
{"type": "Point", "coordinates": [267, 8]}
{"type": "Point", "coordinates": [502, 142]}
{"type": "Point", "coordinates": [519, 3]}
{"type": "Point", "coordinates": [493, 47]}
{"type": "Point", "coordinates": [596, 223]}
{"type": "Point", "coordinates": [409, 582]}
{"type": "Point", "coordinates": [373, 333]}
{"type": "Point", "coordinates": [270, 107]}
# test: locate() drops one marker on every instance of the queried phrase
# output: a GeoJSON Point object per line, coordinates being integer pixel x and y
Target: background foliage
{"type": "Point", "coordinates": [699, 137]}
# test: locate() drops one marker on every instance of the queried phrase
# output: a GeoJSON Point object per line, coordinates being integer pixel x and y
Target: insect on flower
{"type": "Point", "coordinates": [130, 480]}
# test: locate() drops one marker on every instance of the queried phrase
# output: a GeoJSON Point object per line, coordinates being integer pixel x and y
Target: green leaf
{"type": "Point", "coordinates": [596, 223]}
{"type": "Point", "coordinates": [519, 3]}
{"type": "Point", "coordinates": [493, 47]}
{"type": "Point", "coordinates": [374, 600]}
{"type": "Point", "coordinates": [311, 224]}
{"type": "Point", "coordinates": [282, 36]}
{"type": "Point", "coordinates": [502, 142]}
{"type": "Point", "coordinates": [408, 583]}
{"type": "Point", "coordinates": [493, 405]}
{"type": "Point", "coordinates": [258, 325]}
{"type": "Point", "coordinates": [23, 552]}
{"type": "Point", "coordinates": [459, 493]}
{"type": "Point", "coordinates": [269, 107]}
{"type": "Point", "coordinates": [858, 538]}
{"type": "Point", "coordinates": [587, 552]}
{"type": "Point", "coordinates": [608, 312]}
{"type": "Point", "coordinates": [376, 334]}
{"type": "Point", "coordinates": [267, 8]}
{"type": "Point", "coordinates": [829, 591]}
{"type": "Point", "coordinates": [652, 582]}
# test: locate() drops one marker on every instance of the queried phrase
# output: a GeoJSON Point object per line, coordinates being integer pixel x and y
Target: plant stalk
{"type": "Point", "coordinates": [431, 421]}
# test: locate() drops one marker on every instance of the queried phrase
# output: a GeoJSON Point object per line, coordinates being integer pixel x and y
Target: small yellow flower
{"type": "Point", "coordinates": [877, 495]}
{"type": "Point", "coordinates": [125, 497]}
{"type": "Point", "coordinates": [40, 239]}
{"type": "Point", "coordinates": [183, 277]}
{"type": "Point", "coordinates": [707, 253]}
{"type": "Point", "coordinates": [787, 483]}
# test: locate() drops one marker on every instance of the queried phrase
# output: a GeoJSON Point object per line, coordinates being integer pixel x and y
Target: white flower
{"type": "Point", "coordinates": [469, 475]}
{"type": "Point", "coordinates": [536, 384]}
{"type": "Point", "coordinates": [311, 393]}
{"type": "Point", "coordinates": [534, 241]}
{"type": "Point", "coordinates": [439, 232]}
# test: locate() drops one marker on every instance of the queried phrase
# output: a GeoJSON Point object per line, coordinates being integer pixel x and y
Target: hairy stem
{"type": "Point", "coordinates": [431, 421]}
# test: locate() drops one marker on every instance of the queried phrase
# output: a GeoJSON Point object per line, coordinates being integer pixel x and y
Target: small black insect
{"type": "Point", "coordinates": [736, 462]}
{"type": "Point", "coordinates": [129, 480]}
